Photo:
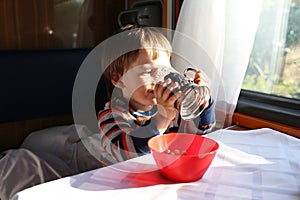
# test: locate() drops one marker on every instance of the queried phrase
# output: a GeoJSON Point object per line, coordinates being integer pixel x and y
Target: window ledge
{"type": "Point", "coordinates": [256, 123]}
{"type": "Point", "coordinates": [269, 107]}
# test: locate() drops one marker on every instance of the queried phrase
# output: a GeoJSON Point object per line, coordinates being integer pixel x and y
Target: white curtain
{"type": "Point", "coordinates": [216, 36]}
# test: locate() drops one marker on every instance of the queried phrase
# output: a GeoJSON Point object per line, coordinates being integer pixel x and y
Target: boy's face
{"type": "Point", "coordinates": [138, 81]}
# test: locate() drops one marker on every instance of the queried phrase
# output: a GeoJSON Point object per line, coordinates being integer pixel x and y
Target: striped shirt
{"type": "Point", "coordinates": [124, 133]}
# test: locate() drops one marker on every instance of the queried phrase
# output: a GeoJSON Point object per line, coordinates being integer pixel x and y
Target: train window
{"type": "Point", "coordinates": [271, 87]}
{"type": "Point", "coordinates": [274, 65]}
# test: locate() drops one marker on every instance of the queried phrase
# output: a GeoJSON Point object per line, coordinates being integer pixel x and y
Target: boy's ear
{"type": "Point", "coordinates": [116, 80]}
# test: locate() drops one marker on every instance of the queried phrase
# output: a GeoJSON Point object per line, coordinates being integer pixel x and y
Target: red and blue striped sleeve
{"type": "Point", "coordinates": [207, 118]}
{"type": "Point", "coordinates": [120, 138]}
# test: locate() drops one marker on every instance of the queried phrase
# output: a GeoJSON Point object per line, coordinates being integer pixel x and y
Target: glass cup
{"type": "Point", "coordinates": [191, 103]}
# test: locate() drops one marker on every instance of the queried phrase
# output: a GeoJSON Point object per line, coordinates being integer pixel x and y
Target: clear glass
{"type": "Point", "coordinates": [190, 105]}
{"type": "Point", "coordinates": [274, 65]}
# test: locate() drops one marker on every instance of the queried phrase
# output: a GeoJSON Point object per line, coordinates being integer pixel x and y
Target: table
{"type": "Point", "coordinates": [254, 164]}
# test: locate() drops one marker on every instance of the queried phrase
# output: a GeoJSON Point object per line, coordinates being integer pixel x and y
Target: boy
{"type": "Point", "coordinates": [140, 107]}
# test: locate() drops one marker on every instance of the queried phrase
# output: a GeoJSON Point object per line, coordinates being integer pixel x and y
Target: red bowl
{"type": "Point", "coordinates": [183, 157]}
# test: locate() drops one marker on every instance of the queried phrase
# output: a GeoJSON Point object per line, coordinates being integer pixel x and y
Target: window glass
{"type": "Point", "coordinates": [274, 65]}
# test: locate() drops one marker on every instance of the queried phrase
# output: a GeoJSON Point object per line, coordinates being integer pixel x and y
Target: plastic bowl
{"type": "Point", "coordinates": [183, 157]}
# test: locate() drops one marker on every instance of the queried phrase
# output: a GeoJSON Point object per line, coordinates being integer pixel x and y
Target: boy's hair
{"type": "Point", "coordinates": [144, 38]}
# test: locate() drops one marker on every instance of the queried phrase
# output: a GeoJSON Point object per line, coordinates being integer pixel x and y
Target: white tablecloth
{"type": "Point", "coordinates": [256, 164]}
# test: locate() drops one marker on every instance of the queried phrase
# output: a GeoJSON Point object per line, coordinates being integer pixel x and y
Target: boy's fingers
{"type": "Point", "coordinates": [169, 90]}
{"type": "Point", "coordinates": [175, 96]}
{"type": "Point", "coordinates": [197, 78]}
{"type": "Point", "coordinates": [160, 87]}
{"type": "Point", "coordinates": [197, 75]}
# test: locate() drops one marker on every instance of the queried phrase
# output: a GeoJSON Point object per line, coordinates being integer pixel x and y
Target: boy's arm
{"type": "Point", "coordinates": [207, 118]}
{"type": "Point", "coordinates": [120, 139]}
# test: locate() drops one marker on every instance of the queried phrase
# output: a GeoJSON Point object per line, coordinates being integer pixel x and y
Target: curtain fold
{"type": "Point", "coordinates": [217, 36]}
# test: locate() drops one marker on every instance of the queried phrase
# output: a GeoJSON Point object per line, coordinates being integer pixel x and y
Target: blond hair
{"type": "Point", "coordinates": [141, 38]}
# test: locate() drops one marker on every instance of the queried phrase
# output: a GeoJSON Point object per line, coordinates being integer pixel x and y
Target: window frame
{"type": "Point", "coordinates": [269, 107]}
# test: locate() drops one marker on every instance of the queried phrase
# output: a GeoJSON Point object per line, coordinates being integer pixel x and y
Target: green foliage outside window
{"type": "Point", "coordinates": [259, 76]}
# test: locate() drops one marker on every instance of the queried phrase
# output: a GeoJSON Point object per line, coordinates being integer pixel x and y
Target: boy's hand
{"type": "Point", "coordinates": [165, 99]}
{"type": "Point", "coordinates": [198, 79]}
{"type": "Point", "coordinates": [165, 104]}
